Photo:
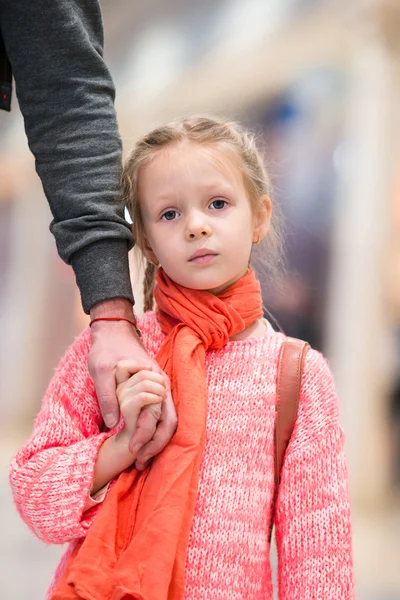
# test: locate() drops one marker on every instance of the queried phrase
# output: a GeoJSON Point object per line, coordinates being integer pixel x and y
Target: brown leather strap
{"type": "Point", "coordinates": [290, 368]}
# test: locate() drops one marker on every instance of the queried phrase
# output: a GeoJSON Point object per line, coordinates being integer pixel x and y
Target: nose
{"type": "Point", "coordinates": [197, 226]}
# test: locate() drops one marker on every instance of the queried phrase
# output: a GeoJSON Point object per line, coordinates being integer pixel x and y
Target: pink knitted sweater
{"type": "Point", "coordinates": [228, 552]}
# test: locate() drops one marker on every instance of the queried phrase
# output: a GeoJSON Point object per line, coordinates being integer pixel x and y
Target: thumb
{"type": "Point", "coordinates": [105, 389]}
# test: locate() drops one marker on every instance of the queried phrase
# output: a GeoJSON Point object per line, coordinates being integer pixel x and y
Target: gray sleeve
{"type": "Point", "coordinates": [66, 96]}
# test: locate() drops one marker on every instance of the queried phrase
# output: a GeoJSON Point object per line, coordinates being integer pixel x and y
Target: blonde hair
{"type": "Point", "coordinates": [202, 130]}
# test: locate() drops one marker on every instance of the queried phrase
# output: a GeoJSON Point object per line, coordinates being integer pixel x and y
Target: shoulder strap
{"type": "Point", "coordinates": [290, 368]}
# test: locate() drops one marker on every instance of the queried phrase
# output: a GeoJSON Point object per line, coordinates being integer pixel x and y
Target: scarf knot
{"type": "Point", "coordinates": [212, 318]}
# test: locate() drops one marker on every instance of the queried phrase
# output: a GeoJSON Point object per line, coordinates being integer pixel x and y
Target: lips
{"type": "Point", "coordinates": [202, 252]}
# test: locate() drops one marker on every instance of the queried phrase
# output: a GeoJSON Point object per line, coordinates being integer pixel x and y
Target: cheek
{"type": "Point", "coordinates": [242, 228]}
{"type": "Point", "coordinates": [166, 249]}
{"type": "Point", "coordinates": [156, 238]}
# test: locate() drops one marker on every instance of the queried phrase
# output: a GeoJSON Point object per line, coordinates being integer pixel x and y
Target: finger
{"type": "Point", "coordinates": [106, 394]}
{"type": "Point", "coordinates": [133, 405]}
{"type": "Point", "coordinates": [145, 428]}
{"type": "Point", "coordinates": [126, 368]}
{"type": "Point", "coordinates": [165, 377]}
{"type": "Point", "coordinates": [145, 387]}
{"type": "Point", "coordinates": [143, 376]}
{"type": "Point", "coordinates": [133, 414]}
{"type": "Point", "coordinates": [164, 432]}
{"type": "Point", "coordinates": [161, 436]}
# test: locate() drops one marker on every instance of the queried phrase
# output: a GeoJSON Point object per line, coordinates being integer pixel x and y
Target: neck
{"type": "Point", "coordinates": [257, 329]}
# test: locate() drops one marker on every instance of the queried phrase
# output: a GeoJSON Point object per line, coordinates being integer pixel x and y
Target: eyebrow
{"type": "Point", "coordinates": [212, 188]}
{"type": "Point", "coordinates": [220, 188]}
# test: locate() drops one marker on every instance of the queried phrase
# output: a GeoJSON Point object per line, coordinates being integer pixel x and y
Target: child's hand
{"type": "Point", "coordinates": [134, 392]}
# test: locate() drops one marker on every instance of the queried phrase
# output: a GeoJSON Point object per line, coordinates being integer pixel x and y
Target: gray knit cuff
{"type": "Point", "coordinates": [102, 272]}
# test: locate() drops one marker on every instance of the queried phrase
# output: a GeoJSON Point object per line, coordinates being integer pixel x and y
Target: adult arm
{"type": "Point", "coordinates": [66, 96]}
{"type": "Point", "coordinates": [313, 527]}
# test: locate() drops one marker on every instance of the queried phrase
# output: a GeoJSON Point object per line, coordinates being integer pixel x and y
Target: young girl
{"type": "Point", "coordinates": [194, 524]}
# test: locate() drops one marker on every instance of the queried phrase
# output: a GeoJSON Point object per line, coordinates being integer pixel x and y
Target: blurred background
{"type": "Point", "coordinates": [319, 81]}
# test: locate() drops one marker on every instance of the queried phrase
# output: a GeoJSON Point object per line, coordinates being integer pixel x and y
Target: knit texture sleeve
{"type": "Point", "coordinates": [51, 475]}
{"type": "Point", "coordinates": [313, 528]}
{"type": "Point", "coordinates": [66, 95]}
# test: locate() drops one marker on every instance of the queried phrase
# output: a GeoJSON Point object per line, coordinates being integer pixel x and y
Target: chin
{"type": "Point", "coordinates": [200, 283]}
{"type": "Point", "coordinates": [211, 285]}
{"type": "Point", "coordinates": [206, 279]}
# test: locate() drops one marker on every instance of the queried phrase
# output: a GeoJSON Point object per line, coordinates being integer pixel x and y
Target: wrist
{"type": "Point", "coordinates": [118, 312]}
{"type": "Point", "coordinates": [113, 307]}
{"type": "Point", "coordinates": [121, 447]}
{"type": "Point", "coordinates": [105, 321]}
{"type": "Point", "coordinates": [113, 458]}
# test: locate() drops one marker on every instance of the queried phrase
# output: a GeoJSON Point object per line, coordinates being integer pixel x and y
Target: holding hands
{"type": "Point", "coordinates": [115, 356]}
{"type": "Point", "coordinates": [140, 396]}
{"type": "Point", "coordinates": [145, 403]}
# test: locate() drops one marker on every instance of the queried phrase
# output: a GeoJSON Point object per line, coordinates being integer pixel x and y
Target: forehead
{"type": "Point", "coordinates": [189, 164]}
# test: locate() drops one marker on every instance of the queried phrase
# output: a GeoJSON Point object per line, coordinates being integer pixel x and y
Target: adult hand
{"type": "Point", "coordinates": [112, 342]}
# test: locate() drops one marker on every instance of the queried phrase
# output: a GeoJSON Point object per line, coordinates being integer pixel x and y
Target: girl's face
{"type": "Point", "coordinates": [197, 217]}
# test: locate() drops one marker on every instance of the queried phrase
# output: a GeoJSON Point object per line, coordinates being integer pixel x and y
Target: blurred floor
{"type": "Point", "coordinates": [26, 564]}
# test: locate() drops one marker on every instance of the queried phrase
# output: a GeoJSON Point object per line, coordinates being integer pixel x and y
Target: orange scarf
{"type": "Point", "coordinates": [136, 547]}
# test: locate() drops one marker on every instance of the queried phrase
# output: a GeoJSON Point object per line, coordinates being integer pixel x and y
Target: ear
{"type": "Point", "coordinates": [149, 254]}
{"type": "Point", "coordinates": [263, 220]}
{"type": "Point", "coordinates": [151, 257]}
{"type": "Point", "coordinates": [147, 250]}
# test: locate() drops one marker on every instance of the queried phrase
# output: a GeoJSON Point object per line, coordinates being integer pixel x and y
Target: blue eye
{"type": "Point", "coordinates": [169, 215]}
{"type": "Point", "coordinates": [218, 204]}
